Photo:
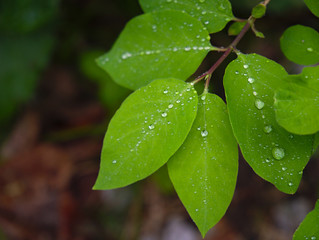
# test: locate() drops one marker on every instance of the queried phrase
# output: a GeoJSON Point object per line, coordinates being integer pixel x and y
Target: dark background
{"type": "Point", "coordinates": [55, 104]}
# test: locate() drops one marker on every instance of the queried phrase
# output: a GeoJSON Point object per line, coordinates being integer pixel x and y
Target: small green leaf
{"type": "Point", "coordinates": [313, 5]}
{"type": "Point", "coordinates": [146, 131]}
{"type": "Point", "coordinates": [235, 28]}
{"type": "Point", "coordinates": [157, 45]}
{"type": "Point", "coordinates": [297, 105]}
{"type": "Point", "coordinates": [300, 44]}
{"type": "Point", "coordinates": [276, 155]}
{"type": "Point", "coordinates": [204, 169]}
{"type": "Point", "coordinates": [214, 14]}
{"type": "Point", "coordinates": [309, 228]}
{"type": "Point", "coordinates": [259, 11]}
{"type": "Point", "coordinates": [259, 34]}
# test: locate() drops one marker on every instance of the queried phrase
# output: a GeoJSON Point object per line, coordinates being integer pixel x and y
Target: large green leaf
{"type": "Point", "coordinates": [309, 228]}
{"type": "Point", "coordinates": [214, 14]}
{"type": "Point", "coordinates": [275, 154]}
{"type": "Point", "coordinates": [146, 131]}
{"type": "Point", "coordinates": [157, 45]}
{"type": "Point", "coordinates": [297, 105]}
{"type": "Point", "coordinates": [204, 169]}
{"type": "Point", "coordinates": [300, 44]}
{"type": "Point", "coordinates": [313, 5]}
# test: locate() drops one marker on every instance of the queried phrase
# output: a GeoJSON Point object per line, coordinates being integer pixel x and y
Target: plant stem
{"type": "Point", "coordinates": [226, 53]}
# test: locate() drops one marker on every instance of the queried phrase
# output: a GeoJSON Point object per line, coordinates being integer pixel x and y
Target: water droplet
{"type": "Point", "coordinates": [203, 97]}
{"type": "Point", "coordinates": [268, 129]}
{"type": "Point", "coordinates": [204, 12]}
{"type": "Point", "coordinates": [126, 55]}
{"type": "Point", "coordinates": [187, 49]}
{"type": "Point", "coordinates": [259, 104]}
{"type": "Point", "coordinates": [151, 127]}
{"type": "Point", "coordinates": [255, 93]}
{"type": "Point", "coordinates": [267, 160]}
{"type": "Point", "coordinates": [206, 22]}
{"type": "Point", "coordinates": [278, 153]}
{"type": "Point", "coordinates": [313, 238]}
{"type": "Point", "coordinates": [290, 185]}
{"type": "Point", "coordinates": [165, 91]}
{"type": "Point", "coordinates": [196, 209]}
{"type": "Point", "coordinates": [170, 106]}
{"type": "Point", "coordinates": [164, 114]}
{"type": "Point", "coordinates": [251, 80]}
{"type": "Point", "coordinates": [246, 66]}
{"type": "Point", "coordinates": [204, 133]}
{"type": "Point", "coordinates": [284, 168]}
{"type": "Point", "coordinates": [309, 49]}
{"type": "Point", "coordinates": [236, 72]}
{"type": "Point", "coordinates": [114, 161]}
{"type": "Point", "coordinates": [178, 101]}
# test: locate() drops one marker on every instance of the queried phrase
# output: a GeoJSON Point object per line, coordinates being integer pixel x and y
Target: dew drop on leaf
{"type": "Point", "coordinates": [268, 129]}
{"type": "Point", "coordinates": [151, 127]}
{"type": "Point", "coordinates": [246, 66]}
{"type": "Point", "coordinates": [251, 80]}
{"type": "Point", "coordinates": [278, 153]}
{"type": "Point", "coordinates": [259, 104]}
{"type": "Point", "coordinates": [204, 133]}
{"type": "Point", "coordinates": [170, 106]}
{"type": "Point", "coordinates": [164, 114]}
{"type": "Point", "coordinates": [114, 161]}
{"type": "Point", "coordinates": [310, 49]}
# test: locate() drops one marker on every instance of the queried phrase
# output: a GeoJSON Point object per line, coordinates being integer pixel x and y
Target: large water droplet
{"type": "Point", "coordinates": [126, 55]}
{"type": "Point", "coordinates": [268, 129]}
{"type": "Point", "coordinates": [170, 106]}
{"type": "Point", "coordinates": [204, 133]}
{"type": "Point", "coordinates": [313, 238]}
{"type": "Point", "coordinates": [251, 80]}
{"type": "Point", "coordinates": [164, 114]}
{"type": "Point", "coordinates": [278, 153]}
{"type": "Point", "coordinates": [203, 97]}
{"type": "Point", "coordinates": [259, 104]}
{"type": "Point", "coordinates": [151, 127]}
{"type": "Point", "coordinates": [246, 66]}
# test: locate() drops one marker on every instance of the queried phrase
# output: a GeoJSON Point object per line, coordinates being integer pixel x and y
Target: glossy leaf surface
{"type": "Point", "coordinates": [214, 14]}
{"type": "Point", "coordinates": [146, 131]}
{"type": "Point", "coordinates": [157, 45]}
{"type": "Point", "coordinates": [300, 44]}
{"type": "Point", "coordinates": [309, 228]}
{"type": "Point", "coordinates": [297, 105]}
{"type": "Point", "coordinates": [204, 169]}
{"type": "Point", "coordinates": [276, 155]}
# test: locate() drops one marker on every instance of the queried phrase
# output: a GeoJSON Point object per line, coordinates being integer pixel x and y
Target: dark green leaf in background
{"type": "Point", "coordinates": [297, 105]}
{"type": "Point", "coordinates": [204, 169]}
{"type": "Point", "coordinates": [214, 14]}
{"type": "Point", "coordinates": [309, 228]}
{"type": "Point", "coordinates": [151, 124]}
{"type": "Point", "coordinates": [300, 44]}
{"type": "Point", "coordinates": [313, 5]}
{"type": "Point", "coordinates": [275, 154]}
{"type": "Point", "coordinates": [22, 60]}
{"type": "Point", "coordinates": [157, 45]}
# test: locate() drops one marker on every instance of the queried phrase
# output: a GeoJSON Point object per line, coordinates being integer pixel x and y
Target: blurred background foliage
{"type": "Point", "coordinates": [55, 104]}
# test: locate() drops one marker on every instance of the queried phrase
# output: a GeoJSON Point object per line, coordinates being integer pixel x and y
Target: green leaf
{"type": "Point", "coordinates": [204, 169]}
{"type": "Point", "coordinates": [300, 44]}
{"type": "Point", "coordinates": [214, 14]}
{"type": "Point", "coordinates": [309, 228]}
{"type": "Point", "coordinates": [235, 28]}
{"type": "Point", "coordinates": [259, 11]}
{"type": "Point", "coordinates": [275, 154]}
{"type": "Point", "coordinates": [316, 142]}
{"type": "Point", "coordinates": [146, 131]}
{"type": "Point", "coordinates": [313, 5]}
{"type": "Point", "coordinates": [297, 105]}
{"type": "Point", "coordinates": [110, 93]}
{"type": "Point", "coordinates": [157, 45]}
